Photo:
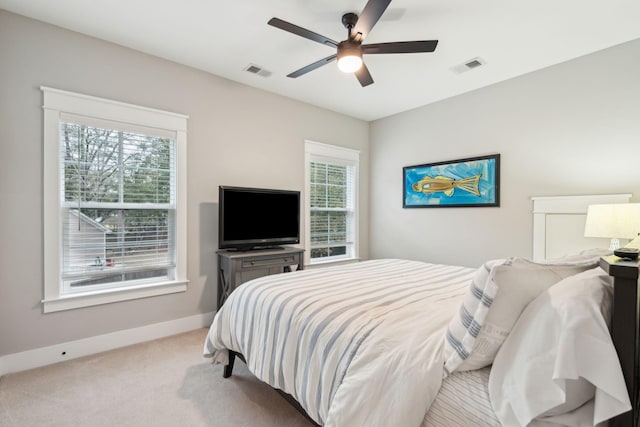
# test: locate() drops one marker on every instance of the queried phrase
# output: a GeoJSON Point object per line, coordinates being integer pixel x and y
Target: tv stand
{"type": "Point", "coordinates": [231, 264]}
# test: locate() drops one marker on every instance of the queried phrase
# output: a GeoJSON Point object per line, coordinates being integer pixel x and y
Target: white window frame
{"type": "Point", "coordinates": [57, 103]}
{"type": "Point", "coordinates": [319, 152]}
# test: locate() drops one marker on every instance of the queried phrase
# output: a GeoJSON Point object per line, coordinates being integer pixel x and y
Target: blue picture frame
{"type": "Point", "coordinates": [470, 182]}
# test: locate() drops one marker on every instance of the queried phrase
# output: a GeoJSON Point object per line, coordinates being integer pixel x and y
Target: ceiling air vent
{"type": "Point", "coordinates": [469, 65]}
{"type": "Point", "coordinates": [473, 63]}
{"type": "Point", "coordinates": [255, 69]}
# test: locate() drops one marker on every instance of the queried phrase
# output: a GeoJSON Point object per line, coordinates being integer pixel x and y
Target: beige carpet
{"type": "Point", "coordinates": [164, 382]}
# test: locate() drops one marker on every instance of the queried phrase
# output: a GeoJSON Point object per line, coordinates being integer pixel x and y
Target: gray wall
{"type": "Point", "coordinates": [573, 128]}
{"type": "Point", "coordinates": [236, 136]}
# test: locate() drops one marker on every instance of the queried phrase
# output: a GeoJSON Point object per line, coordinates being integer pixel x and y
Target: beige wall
{"type": "Point", "coordinates": [236, 136]}
{"type": "Point", "coordinates": [573, 128]}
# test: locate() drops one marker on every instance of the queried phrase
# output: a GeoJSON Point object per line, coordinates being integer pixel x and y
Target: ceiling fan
{"type": "Point", "coordinates": [349, 52]}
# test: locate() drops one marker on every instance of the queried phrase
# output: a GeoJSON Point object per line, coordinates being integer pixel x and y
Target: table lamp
{"type": "Point", "coordinates": [617, 221]}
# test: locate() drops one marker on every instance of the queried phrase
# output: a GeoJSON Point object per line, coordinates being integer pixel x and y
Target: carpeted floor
{"type": "Point", "coordinates": [165, 382]}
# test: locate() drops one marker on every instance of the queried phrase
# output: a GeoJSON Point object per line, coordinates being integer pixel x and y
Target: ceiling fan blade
{"type": "Point", "coordinates": [302, 32]}
{"type": "Point", "coordinates": [401, 47]}
{"type": "Point", "coordinates": [368, 18]}
{"type": "Point", "coordinates": [363, 75]}
{"type": "Point", "coordinates": [311, 67]}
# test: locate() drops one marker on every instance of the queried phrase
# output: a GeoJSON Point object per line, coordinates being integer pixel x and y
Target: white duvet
{"type": "Point", "coordinates": [356, 345]}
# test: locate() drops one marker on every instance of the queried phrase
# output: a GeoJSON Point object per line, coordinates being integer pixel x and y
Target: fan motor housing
{"type": "Point", "coordinates": [349, 48]}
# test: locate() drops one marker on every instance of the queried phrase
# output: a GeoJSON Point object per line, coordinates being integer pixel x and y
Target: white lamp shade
{"type": "Point", "coordinates": [618, 221]}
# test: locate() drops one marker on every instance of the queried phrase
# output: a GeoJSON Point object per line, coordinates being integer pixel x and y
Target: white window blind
{"type": "Point", "coordinates": [118, 194]}
{"type": "Point", "coordinates": [331, 209]}
{"type": "Point", "coordinates": [332, 202]}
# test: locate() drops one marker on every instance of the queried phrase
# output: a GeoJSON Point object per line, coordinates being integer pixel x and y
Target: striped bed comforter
{"type": "Point", "coordinates": [355, 345]}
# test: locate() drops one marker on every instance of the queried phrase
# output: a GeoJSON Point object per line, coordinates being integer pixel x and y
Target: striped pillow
{"type": "Point", "coordinates": [465, 327]}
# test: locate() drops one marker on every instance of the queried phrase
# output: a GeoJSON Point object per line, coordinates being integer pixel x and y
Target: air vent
{"type": "Point", "coordinates": [255, 69]}
{"type": "Point", "coordinates": [469, 65]}
{"type": "Point", "coordinates": [473, 64]}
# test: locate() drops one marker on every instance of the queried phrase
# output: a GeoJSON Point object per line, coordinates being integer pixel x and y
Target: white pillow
{"type": "Point", "coordinates": [559, 355]}
{"type": "Point", "coordinates": [476, 334]}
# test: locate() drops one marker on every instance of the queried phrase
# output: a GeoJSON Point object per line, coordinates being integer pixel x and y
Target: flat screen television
{"type": "Point", "coordinates": [256, 218]}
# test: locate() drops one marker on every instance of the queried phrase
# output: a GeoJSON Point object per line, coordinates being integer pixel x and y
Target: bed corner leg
{"type": "Point", "coordinates": [228, 368]}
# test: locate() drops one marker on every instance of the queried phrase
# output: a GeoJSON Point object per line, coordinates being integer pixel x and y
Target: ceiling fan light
{"type": "Point", "coordinates": [349, 64]}
{"type": "Point", "coordinates": [349, 57]}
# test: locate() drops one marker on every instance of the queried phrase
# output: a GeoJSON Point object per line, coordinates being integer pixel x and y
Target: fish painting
{"type": "Point", "coordinates": [447, 185]}
{"type": "Point", "coordinates": [468, 182]}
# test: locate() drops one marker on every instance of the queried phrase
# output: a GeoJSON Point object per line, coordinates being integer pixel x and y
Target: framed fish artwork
{"type": "Point", "coordinates": [472, 182]}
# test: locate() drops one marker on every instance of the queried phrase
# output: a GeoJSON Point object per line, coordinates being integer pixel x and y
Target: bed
{"type": "Point", "coordinates": [410, 343]}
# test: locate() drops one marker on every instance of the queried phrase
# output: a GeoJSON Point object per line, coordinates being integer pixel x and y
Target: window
{"type": "Point", "coordinates": [114, 201]}
{"type": "Point", "coordinates": [331, 202]}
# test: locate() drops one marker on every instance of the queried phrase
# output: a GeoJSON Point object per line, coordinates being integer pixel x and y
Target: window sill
{"type": "Point", "coordinates": [331, 262]}
{"type": "Point", "coordinates": [69, 302]}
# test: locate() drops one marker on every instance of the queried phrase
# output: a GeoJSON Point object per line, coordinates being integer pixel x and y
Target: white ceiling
{"type": "Point", "coordinates": [224, 37]}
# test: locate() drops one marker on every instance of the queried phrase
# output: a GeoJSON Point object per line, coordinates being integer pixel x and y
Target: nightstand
{"type": "Point", "coordinates": [624, 329]}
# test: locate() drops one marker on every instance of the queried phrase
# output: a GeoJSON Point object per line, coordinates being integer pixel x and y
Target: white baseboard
{"type": "Point", "coordinates": [35, 358]}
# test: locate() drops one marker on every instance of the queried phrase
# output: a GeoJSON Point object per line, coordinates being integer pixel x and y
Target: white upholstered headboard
{"type": "Point", "coordinates": [558, 224]}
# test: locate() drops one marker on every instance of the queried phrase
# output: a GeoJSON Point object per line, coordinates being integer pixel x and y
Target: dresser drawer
{"type": "Point", "coordinates": [271, 261]}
